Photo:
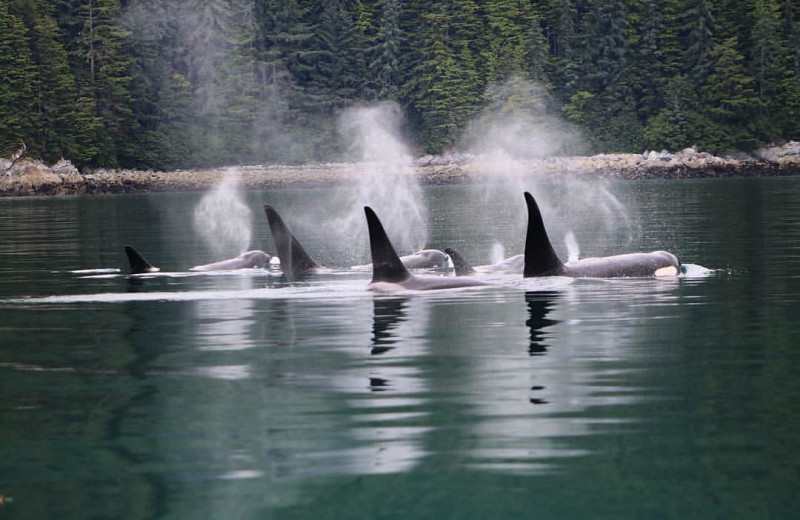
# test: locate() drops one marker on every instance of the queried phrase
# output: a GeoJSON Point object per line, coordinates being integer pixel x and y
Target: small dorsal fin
{"type": "Point", "coordinates": [386, 265]}
{"type": "Point", "coordinates": [540, 257]}
{"type": "Point", "coordinates": [460, 264]}
{"type": "Point", "coordinates": [295, 262]}
{"type": "Point", "coordinates": [138, 263]}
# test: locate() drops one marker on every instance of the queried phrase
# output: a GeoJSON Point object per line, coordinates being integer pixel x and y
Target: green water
{"type": "Point", "coordinates": [239, 396]}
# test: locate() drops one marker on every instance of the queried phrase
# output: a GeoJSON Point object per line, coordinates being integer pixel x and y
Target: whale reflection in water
{"type": "Point", "coordinates": [539, 306]}
{"type": "Point", "coordinates": [388, 313]}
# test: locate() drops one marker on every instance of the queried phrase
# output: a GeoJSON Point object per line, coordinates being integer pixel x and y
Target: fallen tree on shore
{"type": "Point", "coordinates": [26, 177]}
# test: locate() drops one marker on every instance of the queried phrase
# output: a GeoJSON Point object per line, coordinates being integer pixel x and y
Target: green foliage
{"type": "Point", "coordinates": [385, 53]}
{"type": "Point", "coordinates": [443, 83]}
{"type": "Point", "coordinates": [179, 83]}
{"type": "Point", "coordinates": [699, 29]}
{"type": "Point", "coordinates": [16, 88]}
{"type": "Point", "coordinates": [679, 124]}
{"type": "Point", "coordinates": [515, 44]}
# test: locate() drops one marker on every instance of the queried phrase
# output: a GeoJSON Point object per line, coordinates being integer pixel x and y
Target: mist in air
{"type": "Point", "coordinates": [223, 220]}
{"type": "Point", "coordinates": [520, 126]}
{"type": "Point", "coordinates": [385, 181]}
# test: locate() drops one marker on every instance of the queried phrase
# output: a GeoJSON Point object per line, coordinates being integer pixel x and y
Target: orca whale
{"type": "Point", "coordinates": [541, 258]}
{"type": "Point", "coordinates": [422, 259]}
{"type": "Point", "coordinates": [138, 263]}
{"type": "Point", "coordinates": [295, 262]}
{"type": "Point", "coordinates": [247, 260]}
{"type": "Point", "coordinates": [512, 264]}
{"type": "Point", "coordinates": [389, 273]}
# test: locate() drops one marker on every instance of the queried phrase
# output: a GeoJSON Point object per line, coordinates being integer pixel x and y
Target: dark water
{"type": "Point", "coordinates": [239, 396]}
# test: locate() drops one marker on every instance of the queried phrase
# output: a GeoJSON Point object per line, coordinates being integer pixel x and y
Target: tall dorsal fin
{"type": "Point", "coordinates": [138, 262]}
{"type": "Point", "coordinates": [540, 257]}
{"type": "Point", "coordinates": [460, 263]}
{"type": "Point", "coordinates": [295, 262]}
{"type": "Point", "coordinates": [386, 265]}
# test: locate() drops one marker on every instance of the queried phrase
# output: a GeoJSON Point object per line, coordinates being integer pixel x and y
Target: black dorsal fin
{"type": "Point", "coordinates": [540, 257]}
{"type": "Point", "coordinates": [460, 263]}
{"type": "Point", "coordinates": [138, 263]}
{"type": "Point", "coordinates": [295, 262]}
{"type": "Point", "coordinates": [386, 265]}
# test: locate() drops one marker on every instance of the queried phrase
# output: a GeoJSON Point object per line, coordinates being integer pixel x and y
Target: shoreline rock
{"type": "Point", "coordinates": [33, 178]}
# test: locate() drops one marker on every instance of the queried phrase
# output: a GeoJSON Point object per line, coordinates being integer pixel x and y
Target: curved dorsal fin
{"type": "Point", "coordinates": [138, 263]}
{"type": "Point", "coordinates": [386, 265]}
{"type": "Point", "coordinates": [295, 262]}
{"type": "Point", "coordinates": [540, 257]}
{"type": "Point", "coordinates": [460, 263]}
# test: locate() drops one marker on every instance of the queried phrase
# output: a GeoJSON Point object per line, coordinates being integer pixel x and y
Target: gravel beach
{"type": "Point", "coordinates": [30, 178]}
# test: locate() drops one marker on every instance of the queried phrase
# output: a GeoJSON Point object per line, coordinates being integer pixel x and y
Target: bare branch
{"type": "Point", "coordinates": [14, 158]}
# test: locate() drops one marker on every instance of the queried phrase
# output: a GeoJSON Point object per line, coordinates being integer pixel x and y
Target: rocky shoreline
{"type": "Point", "coordinates": [29, 177]}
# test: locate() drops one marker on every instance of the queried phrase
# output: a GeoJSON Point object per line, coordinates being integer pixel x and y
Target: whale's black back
{"type": "Point", "coordinates": [295, 262]}
{"type": "Point", "coordinates": [540, 257]}
{"type": "Point", "coordinates": [386, 265]}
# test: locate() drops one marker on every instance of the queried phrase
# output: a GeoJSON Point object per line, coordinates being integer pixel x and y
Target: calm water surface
{"type": "Point", "coordinates": [240, 396]}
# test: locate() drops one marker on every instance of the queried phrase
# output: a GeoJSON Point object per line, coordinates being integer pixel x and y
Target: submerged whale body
{"type": "Point", "coordinates": [541, 258]}
{"type": "Point", "coordinates": [512, 264]}
{"type": "Point", "coordinates": [247, 260]}
{"type": "Point", "coordinates": [389, 273]}
{"type": "Point", "coordinates": [295, 262]}
{"type": "Point", "coordinates": [422, 259]}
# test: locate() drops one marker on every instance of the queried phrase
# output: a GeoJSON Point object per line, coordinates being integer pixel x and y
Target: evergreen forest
{"type": "Point", "coordinates": [185, 83]}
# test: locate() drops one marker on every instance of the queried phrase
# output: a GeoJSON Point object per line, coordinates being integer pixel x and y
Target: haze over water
{"type": "Point", "coordinates": [239, 396]}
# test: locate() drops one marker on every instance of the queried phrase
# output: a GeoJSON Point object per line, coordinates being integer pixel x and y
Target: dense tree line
{"type": "Point", "coordinates": [177, 83]}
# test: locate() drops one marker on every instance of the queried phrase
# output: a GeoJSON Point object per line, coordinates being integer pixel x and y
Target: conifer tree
{"type": "Point", "coordinates": [649, 61]}
{"type": "Point", "coordinates": [16, 88]}
{"type": "Point", "coordinates": [54, 114]}
{"type": "Point", "coordinates": [679, 124]}
{"type": "Point", "coordinates": [729, 94]}
{"type": "Point", "coordinates": [699, 28]}
{"type": "Point", "coordinates": [281, 37]}
{"type": "Point", "coordinates": [384, 67]}
{"type": "Point", "coordinates": [515, 44]}
{"type": "Point", "coordinates": [767, 53]}
{"type": "Point", "coordinates": [440, 87]}
{"type": "Point", "coordinates": [330, 75]}
{"type": "Point", "coordinates": [604, 99]}
{"type": "Point", "coordinates": [560, 32]}
{"type": "Point", "coordinates": [104, 77]}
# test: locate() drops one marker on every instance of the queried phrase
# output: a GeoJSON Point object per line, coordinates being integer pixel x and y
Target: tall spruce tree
{"type": "Point", "coordinates": [104, 77]}
{"type": "Point", "coordinates": [16, 89]}
{"type": "Point", "coordinates": [515, 44]}
{"type": "Point", "coordinates": [440, 86]}
{"type": "Point", "coordinates": [729, 94]}
{"type": "Point", "coordinates": [699, 29]}
{"type": "Point", "coordinates": [604, 98]}
{"type": "Point", "coordinates": [648, 67]}
{"type": "Point", "coordinates": [331, 77]}
{"type": "Point", "coordinates": [55, 116]}
{"type": "Point", "coordinates": [561, 33]}
{"type": "Point", "coordinates": [384, 67]}
{"type": "Point", "coordinates": [679, 123]}
{"type": "Point", "coordinates": [767, 52]}
{"type": "Point", "coordinates": [280, 121]}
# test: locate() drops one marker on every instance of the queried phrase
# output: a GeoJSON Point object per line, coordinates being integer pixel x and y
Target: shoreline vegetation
{"type": "Point", "coordinates": [28, 177]}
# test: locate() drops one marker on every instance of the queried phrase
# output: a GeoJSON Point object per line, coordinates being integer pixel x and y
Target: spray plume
{"type": "Point", "coordinates": [385, 180]}
{"type": "Point", "coordinates": [520, 126]}
{"type": "Point", "coordinates": [222, 218]}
